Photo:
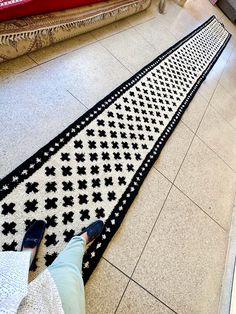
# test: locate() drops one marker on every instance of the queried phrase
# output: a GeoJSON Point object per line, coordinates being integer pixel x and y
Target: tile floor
{"type": "Point", "coordinates": [169, 253]}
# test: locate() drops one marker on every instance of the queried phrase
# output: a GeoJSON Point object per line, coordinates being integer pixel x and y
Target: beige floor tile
{"type": "Point", "coordinates": [182, 20]}
{"type": "Point", "coordinates": [61, 48]}
{"type": "Point", "coordinates": [32, 119]}
{"type": "Point", "coordinates": [208, 181]}
{"type": "Point", "coordinates": [89, 73]}
{"type": "Point", "coordinates": [171, 11]}
{"type": "Point", "coordinates": [157, 34]}
{"type": "Point", "coordinates": [219, 136]}
{"type": "Point", "coordinates": [14, 149]}
{"type": "Point", "coordinates": [174, 151]}
{"type": "Point", "coordinates": [183, 23]}
{"type": "Point", "coordinates": [111, 29]}
{"type": "Point", "coordinates": [135, 55]}
{"type": "Point", "coordinates": [104, 289]}
{"type": "Point", "coordinates": [229, 25]}
{"type": "Point", "coordinates": [137, 301]}
{"type": "Point", "coordinates": [31, 108]}
{"type": "Point", "coordinates": [127, 244]}
{"type": "Point", "coordinates": [144, 16]}
{"type": "Point", "coordinates": [224, 103]}
{"type": "Point", "coordinates": [209, 85]}
{"type": "Point", "coordinates": [194, 112]}
{"type": "Point", "coordinates": [230, 48]}
{"type": "Point", "coordinates": [183, 262]}
{"type": "Point", "coordinates": [14, 66]}
{"type": "Point", "coordinates": [202, 9]}
{"type": "Point", "coordinates": [228, 78]}
{"type": "Point", "coordinates": [192, 15]}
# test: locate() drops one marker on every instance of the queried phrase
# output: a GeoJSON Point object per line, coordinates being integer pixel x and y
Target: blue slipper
{"type": "Point", "coordinates": [33, 237]}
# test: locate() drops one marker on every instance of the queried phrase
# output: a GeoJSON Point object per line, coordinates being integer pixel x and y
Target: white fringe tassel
{"type": "Point", "coordinates": [6, 39]}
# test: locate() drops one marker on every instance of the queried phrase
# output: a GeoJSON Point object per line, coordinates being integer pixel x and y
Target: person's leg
{"type": "Point", "coordinates": [66, 273]}
{"type": "Point", "coordinates": [67, 267]}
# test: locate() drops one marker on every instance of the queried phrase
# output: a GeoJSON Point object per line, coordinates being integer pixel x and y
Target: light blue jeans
{"type": "Point", "coordinates": [66, 272]}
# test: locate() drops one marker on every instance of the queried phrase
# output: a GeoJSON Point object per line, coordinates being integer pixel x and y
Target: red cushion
{"type": "Point", "coordinates": [38, 6]}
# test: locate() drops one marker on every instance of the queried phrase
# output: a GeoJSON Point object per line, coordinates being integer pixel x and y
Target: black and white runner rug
{"type": "Point", "coordinates": [95, 167]}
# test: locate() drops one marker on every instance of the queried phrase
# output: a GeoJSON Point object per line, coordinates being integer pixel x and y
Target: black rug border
{"type": "Point", "coordinates": [72, 130]}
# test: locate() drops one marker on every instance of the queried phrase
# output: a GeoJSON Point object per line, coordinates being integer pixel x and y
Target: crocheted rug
{"type": "Point", "coordinates": [94, 168]}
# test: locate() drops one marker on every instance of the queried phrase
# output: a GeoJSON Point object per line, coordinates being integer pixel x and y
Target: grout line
{"type": "Point", "coordinates": [145, 245]}
{"type": "Point", "coordinates": [164, 28]}
{"type": "Point", "coordinates": [32, 59]}
{"type": "Point", "coordinates": [35, 66]}
{"type": "Point", "coordinates": [188, 127]}
{"type": "Point", "coordinates": [219, 84]}
{"type": "Point", "coordinates": [195, 133]}
{"type": "Point", "coordinates": [220, 114]}
{"type": "Point", "coordinates": [162, 174]}
{"type": "Point", "coordinates": [132, 73]}
{"type": "Point", "coordinates": [143, 22]}
{"type": "Point", "coordinates": [116, 267]}
{"type": "Point", "coordinates": [208, 104]}
{"type": "Point", "coordinates": [153, 295]}
{"type": "Point", "coordinates": [225, 230]}
{"type": "Point", "coordinates": [206, 143]}
{"type": "Point", "coordinates": [93, 34]}
{"type": "Point", "coordinates": [120, 31]}
{"type": "Point", "coordinates": [190, 199]}
{"type": "Point", "coordinates": [215, 153]}
{"type": "Point", "coordinates": [150, 44]}
{"type": "Point", "coordinates": [12, 74]}
{"type": "Point", "coordinates": [184, 158]}
{"type": "Point", "coordinates": [226, 61]}
{"type": "Point", "coordinates": [68, 52]}
{"type": "Point", "coordinates": [201, 94]}
{"type": "Point", "coordinates": [77, 99]}
{"type": "Point", "coordinates": [121, 298]}
{"type": "Point", "coordinates": [131, 279]}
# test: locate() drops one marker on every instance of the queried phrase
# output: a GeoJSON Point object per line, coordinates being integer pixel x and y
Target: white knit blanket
{"type": "Point", "coordinates": [17, 296]}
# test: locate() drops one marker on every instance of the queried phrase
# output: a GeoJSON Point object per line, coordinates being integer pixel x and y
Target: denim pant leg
{"type": "Point", "coordinates": [66, 272]}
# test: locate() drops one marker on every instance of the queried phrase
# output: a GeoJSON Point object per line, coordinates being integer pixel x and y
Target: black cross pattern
{"type": "Point", "coordinates": [51, 203]}
{"type": "Point", "coordinates": [9, 227]}
{"type": "Point", "coordinates": [68, 234]}
{"type": "Point", "coordinates": [8, 209]}
{"type": "Point", "coordinates": [31, 206]}
{"type": "Point", "coordinates": [31, 187]}
{"type": "Point", "coordinates": [51, 239]}
{"type": "Point", "coordinates": [51, 186]}
{"type": "Point", "coordinates": [51, 221]}
{"type": "Point", "coordinates": [50, 171]}
{"type": "Point", "coordinates": [9, 246]}
{"type": "Point", "coordinates": [49, 258]}
{"type": "Point", "coordinates": [68, 217]}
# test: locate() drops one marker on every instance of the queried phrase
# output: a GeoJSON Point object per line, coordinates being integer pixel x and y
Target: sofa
{"type": "Point", "coordinates": [25, 34]}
